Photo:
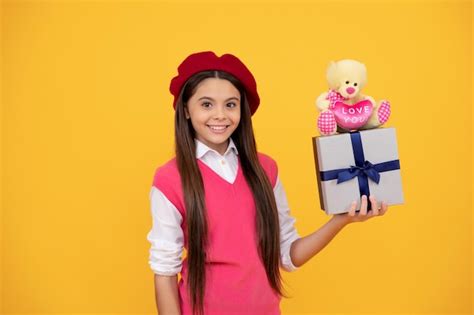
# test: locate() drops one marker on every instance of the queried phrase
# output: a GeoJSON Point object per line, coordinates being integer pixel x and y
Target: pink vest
{"type": "Point", "coordinates": [236, 282]}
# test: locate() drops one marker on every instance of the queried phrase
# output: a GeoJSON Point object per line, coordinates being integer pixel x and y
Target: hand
{"type": "Point", "coordinates": [363, 214]}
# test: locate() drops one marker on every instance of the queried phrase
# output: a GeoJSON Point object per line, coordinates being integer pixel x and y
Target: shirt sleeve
{"type": "Point", "coordinates": [288, 233]}
{"type": "Point", "coordinates": [166, 235]}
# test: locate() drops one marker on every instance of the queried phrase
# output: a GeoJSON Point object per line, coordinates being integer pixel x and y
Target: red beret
{"type": "Point", "coordinates": [208, 60]}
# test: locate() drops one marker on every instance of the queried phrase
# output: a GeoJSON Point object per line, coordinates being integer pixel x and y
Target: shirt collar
{"type": "Point", "coordinates": [202, 149]}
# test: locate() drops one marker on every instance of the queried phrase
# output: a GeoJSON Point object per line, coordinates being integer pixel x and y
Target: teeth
{"type": "Point", "coordinates": [218, 127]}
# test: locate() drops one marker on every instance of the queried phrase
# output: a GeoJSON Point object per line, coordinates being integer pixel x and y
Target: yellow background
{"type": "Point", "coordinates": [87, 117]}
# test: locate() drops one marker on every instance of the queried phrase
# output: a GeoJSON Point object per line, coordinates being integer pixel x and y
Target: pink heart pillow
{"type": "Point", "coordinates": [352, 117]}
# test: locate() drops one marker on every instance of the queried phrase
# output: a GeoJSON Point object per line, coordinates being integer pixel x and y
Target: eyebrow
{"type": "Point", "coordinates": [210, 98]}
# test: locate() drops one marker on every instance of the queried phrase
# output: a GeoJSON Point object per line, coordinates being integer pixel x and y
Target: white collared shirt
{"type": "Point", "coordinates": [166, 235]}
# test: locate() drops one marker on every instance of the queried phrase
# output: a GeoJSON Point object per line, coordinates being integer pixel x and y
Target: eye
{"type": "Point", "coordinates": [355, 84]}
{"type": "Point", "coordinates": [231, 104]}
{"type": "Point", "coordinates": [347, 82]}
{"type": "Point", "coordinates": [206, 104]}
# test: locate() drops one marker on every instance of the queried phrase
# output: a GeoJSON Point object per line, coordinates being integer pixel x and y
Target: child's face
{"type": "Point", "coordinates": [214, 110]}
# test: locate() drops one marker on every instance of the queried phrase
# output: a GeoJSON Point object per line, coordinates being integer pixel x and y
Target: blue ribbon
{"type": "Point", "coordinates": [363, 169]}
{"type": "Point", "coordinates": [367, 169]}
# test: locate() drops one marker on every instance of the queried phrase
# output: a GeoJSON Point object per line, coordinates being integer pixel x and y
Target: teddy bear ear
{"type": "Point", "coordinates": [363, 72]}
{"type": "Point", "coordinates": [331, 75]}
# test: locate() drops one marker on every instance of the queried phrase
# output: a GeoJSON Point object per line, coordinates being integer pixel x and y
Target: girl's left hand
{"type": "Point", "coordinates": [363, 214]}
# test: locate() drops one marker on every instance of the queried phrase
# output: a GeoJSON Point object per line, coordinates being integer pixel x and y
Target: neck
{"type": "Point", "coordinates": [220, 148]}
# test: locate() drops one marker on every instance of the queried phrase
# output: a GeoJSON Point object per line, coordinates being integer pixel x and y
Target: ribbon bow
{"type": "Point", "coordinates": [366, 169]}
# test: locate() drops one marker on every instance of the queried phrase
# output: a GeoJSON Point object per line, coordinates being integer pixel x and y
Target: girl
{"type": "Point", "coordinates": [223, 202]}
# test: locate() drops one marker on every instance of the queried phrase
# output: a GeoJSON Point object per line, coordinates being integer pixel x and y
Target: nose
{"type": "Point", "coordinates": [219, 112]}
{"type": "Point", "coordinates": [350, 90]}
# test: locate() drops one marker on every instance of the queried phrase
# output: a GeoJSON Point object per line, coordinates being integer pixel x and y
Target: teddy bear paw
{"type": "Point", "coordinates": [327, 123]}
{"type": "Point", "coordinates": [383, 112]}
{"type": "Point", "coordinates": [334, 97]}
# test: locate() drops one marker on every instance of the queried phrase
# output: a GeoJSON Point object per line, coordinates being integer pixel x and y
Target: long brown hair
{"type": "Point", "coordinates": [267, 225]}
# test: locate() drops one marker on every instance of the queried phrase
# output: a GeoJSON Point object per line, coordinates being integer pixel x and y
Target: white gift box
{"type": "Point", "coordinates": [349, 165]}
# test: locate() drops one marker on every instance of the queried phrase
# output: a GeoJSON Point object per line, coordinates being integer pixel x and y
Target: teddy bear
{"type": "Point", "coordinates": [343, 108]}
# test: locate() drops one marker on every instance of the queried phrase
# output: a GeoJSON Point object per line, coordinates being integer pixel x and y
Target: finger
{"type": "Point", "coordinates": [374, 206]}
{"type": "Point", "coordinates": [370, 213]}
{"type": "Point", "coordinates": [363, 205]}
{"type": "Point", "coordinates": [384, 208]}
{"type": "Point", "coordinates": [352, 209]}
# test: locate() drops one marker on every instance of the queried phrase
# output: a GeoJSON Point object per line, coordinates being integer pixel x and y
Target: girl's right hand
{"type": "Point", "coordinates": [363, 214]}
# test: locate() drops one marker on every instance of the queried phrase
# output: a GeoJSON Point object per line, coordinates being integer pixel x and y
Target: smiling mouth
{"type": "Point", "coordinates": [218, 128]}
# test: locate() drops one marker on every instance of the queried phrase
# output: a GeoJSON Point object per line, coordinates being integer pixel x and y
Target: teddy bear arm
{"type": "Point", "coordinates": [371, 99]}
{"type": "Point", "coordinates": [322, 103]}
